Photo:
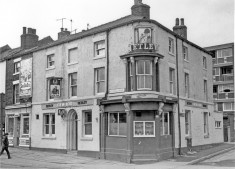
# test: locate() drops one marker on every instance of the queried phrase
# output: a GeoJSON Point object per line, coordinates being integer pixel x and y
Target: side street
{"type": "Point", "coordinates": [24, 158]}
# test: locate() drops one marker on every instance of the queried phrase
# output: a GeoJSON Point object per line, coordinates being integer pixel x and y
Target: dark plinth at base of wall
{"type": "Point", "coordinates": [63, 151]}
{"type": "Point", "coordinates": [93, 154]}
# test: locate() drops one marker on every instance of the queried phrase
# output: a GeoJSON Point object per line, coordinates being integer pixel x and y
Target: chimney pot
{"type": "Point", "coordinates": [177, 22]}
{"type": "Point", "coordinates": [61, 29]}
{"type": "Point", "coordinates": [24, 30]}
{"type": "Point", "coordinates": [182, 21]}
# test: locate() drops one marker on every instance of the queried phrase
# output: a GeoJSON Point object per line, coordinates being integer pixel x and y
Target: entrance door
{"type": "Point", "coordinates": [72, 137]}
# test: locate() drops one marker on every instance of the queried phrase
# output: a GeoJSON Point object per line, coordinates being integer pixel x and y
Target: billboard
{"type": "Point", "coordinates": [26, 78]}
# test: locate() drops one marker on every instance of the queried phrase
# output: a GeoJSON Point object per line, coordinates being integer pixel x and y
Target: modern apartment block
{"type": "Point", "coordinates": [223, 86]}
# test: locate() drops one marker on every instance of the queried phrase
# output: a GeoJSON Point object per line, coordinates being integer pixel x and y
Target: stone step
{"type": "Point", "coordinates": [72, 152]}
{"type": "Point", "coordinates": [144, 159]}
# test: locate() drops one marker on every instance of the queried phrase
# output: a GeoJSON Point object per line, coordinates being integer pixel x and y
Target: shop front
{"type": "Point", "coordinates": [137, 129]}
{"type": "Point", "coordinates": [18, 126]}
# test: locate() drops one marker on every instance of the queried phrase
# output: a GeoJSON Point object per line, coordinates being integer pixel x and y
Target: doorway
{"type": "Point", "coordinates": [72, 130]}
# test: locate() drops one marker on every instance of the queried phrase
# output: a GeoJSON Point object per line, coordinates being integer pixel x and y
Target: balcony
{"type": "Point", "coordinates": [224, 78]}
{"type": "Point", "coordinates": [223, 96]}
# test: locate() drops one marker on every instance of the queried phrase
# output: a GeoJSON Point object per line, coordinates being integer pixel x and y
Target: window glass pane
{"type": "Point", "coordinates": [113, 124]}
{"type": "Point", "coordinates": [88, 117]}
{"type": "Point", "coordinates": [140, 81]}
{"type": "Point", "coordinates": [166, 123]}
{"type": "Point", "coordinates": [74, 91]}
{"type": "Point", "coordinates": [148, 67]}
{"type": "Point", "coordinates": [122, 124]}
{"type": "Point", "coordinates": [148, 80]}
{"type": "Point", "coordinates": [52, 119]}
{"type": "Point", "coordinates": [88, 129]}
{"type": "Point", "coordinates": [227, 52]}
{"type": "Point", "coordinates": [100, 74]}
{"type": "Point", "coordinates": [101, 87]}
{"type": "Point", "coordinates": [149, 128]}
{"type": "Point", "coordinates": [140, 67]}
{"type": "Point", "coordinates": [26, 126]}
{"type": "Point", "coordinates": [10, 126]}
{"type": "Point", "coordinates": [46, 129]}
{"type": "Point", "coordinates": [73, 57]}
{"type": "Point", "coordinates": [73, 78]}
{"type": "Point", "coordinates": [47, 119]}
{"type": "Point", "coordinates": [139, 128]}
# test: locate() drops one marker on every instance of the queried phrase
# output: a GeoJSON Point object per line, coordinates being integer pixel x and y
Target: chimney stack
{"type": "Point", "coordinates": [63, 33]}
{"type": "Point", "coordinates": [29, 38]}
{"type": "Point", "coordinates": [140, 9]}
{"type": "Point", "coordinates": [180, 29]}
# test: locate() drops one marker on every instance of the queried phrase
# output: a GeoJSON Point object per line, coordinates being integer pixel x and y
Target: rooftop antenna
{"type": "Point", "coordinates": [71, 24]}
{"type": "Point", "coordinates": [62, 19]}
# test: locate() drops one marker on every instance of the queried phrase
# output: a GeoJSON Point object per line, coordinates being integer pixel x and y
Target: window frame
{"type": "Point", "coordinates": [231, 105]}
{"type": "Point", "coordinates": [185, 53]}
{"type": "Point", "coordinates": [218, 124]}
{"type": "Point", "coordinates": [16, 96]}
{"type": "Point", "coordinates": [172, 81]}
{"type": "Point", "coordinates": [144, 129]}
{"type": "Point", "coordinates": [16, 67]}
{"type": "Point", "coordinates": [206, 123]}
{"type": "Point", "coordinates": [23, 128]}
{"type": "Point", "coordinates": [97, 49]}
{"type": "Point", "coordinates": [69, 59]}
{"type": "Point", "coordinates": [50, 125]}
{"type": "Point", "coordinates": [205, 89]}
{"type": "Point", "coordinates": [162, 121]}
{"type": "Point", "coordinates": [71, 86]}
{"type": "Point", "coordinates": [171, 47]}
{"type": "Point", "coordinates": [84, 123]}
{"type": "Point", "coordinates": [204, 62]}
{"type": "Point", "coordinates": [186, 85]}
{"type": "Point", "coordinates": [51, 59]}
{"type": "Point", "coordinates": [118, 131]}
{"type": "Point", "coordinates": [219, 53]}
{"type": "Point", "coordinates": [98, 81]}
{"type": "Point", "coordinates": [188, 123]}
{"type": "Point", "coordinates": [144, 75]}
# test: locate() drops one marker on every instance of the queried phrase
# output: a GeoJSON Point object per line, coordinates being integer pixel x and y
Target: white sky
{"type": "Point", "coordinates": [209, 22]}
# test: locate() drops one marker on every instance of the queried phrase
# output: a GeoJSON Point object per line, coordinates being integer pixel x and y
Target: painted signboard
{"type": "Point", "coordinates": [26, 78]}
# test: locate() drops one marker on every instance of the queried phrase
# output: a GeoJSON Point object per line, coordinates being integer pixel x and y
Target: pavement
{"type": "Point", "coordinates": [24, 158]}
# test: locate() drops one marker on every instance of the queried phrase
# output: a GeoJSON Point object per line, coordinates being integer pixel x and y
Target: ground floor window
{"type": "Point", "coordinates": [49, 124]}
{"type": "Point", "coordinates": [206, 126]}
{"type": "Point", "coordinates": [165, 123]}
{"type": "Point", "coordinates": [87, 123]}
{"type": "Point", "coordinates": [26, 124]}
{"type": "Point", "coordinates": [187, 122]}
{"type": "Point", "coordinates": [117, 124]}
{"type": "Point", "coordinates": [144, 129]}
{"type": "Point", "coordinates": [10, 125]}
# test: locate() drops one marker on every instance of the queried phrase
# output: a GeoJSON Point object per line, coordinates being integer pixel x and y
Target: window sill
{"type": "Point", "coordinates": [188, 137]}
{"type": "Point", "coordinates": [172, 54]}
{"type": "Point", "coordinates": [16, 73]}
{"type": "Point", "coordinates": [186, 61]}
{"type": "Point", "coordinates": [116, 136]}
{"type": "Point", "coordinates": [99, 57]}
{"type": "Point", "coordinates": [48, 138]}
{"type": "Point", "coordinates": [206, 136]}
{"type": "Point", "coordinates": [74, 63]}
{"type": "Point", "coordinates": [50, 68]}
{"type": "Point", "coordinates": [86, 139]}
{"type": "Point", "coordinates": [144, 136]}
{"type": "Point", "coordinates": [204, 69]}
{"type": "Point", "coordinates": [218, 127]}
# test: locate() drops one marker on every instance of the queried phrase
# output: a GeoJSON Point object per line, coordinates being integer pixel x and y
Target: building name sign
{"type": "Point", "coordinates": [67, 104]}
{"type": "Point", "coordinates": [150, 47]}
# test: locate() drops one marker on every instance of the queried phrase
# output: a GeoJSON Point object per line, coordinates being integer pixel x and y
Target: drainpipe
{"type": "Point", "coordinates": [107, 63]}
{"type": "Point", "coordinates": [178, 95]}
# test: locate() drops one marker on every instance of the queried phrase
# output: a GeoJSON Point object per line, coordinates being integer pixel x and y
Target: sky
{"type": "Point", "coordinates": [209, 22]}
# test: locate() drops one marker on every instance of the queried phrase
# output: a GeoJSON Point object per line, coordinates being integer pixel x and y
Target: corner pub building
{"type": "Point", "coordinates": [128, 90]}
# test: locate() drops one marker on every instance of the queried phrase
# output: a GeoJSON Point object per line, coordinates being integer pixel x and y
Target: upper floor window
{"type": "Point", "coordinates": [143, 35]}
{"type": "Point", "coordinates": [171, 46]}
{"type": "Point", "coordinates": [204, 63]}
{"type": "Point", "coordinates": [172, 80]}
{"type": "Point", "coordinates": [16, 67]}
{"type": "Point", "coordinates": [72, 55]}
{"type": "Point", "coordinates": [185, 53]}
{"type": "Point", "coordinates": [186, 83]}
{"type": "Point", "coordinates": [117, 124]}
{"type": "Point", "coordinates": [228, 106]}
{"type": "Point", "coordinates": [87, 123]}
{"type": "Point", "coordinates": [16, 97]}
{"type": "Point", "coordinates": [49, 124]}
{"type": "Point", "coordinates": [50, 61]}
{"type": "Point", "coordinates": [224, 52]}
{"type": "Point", "coordinates": [100, 48]}
{"type": "Point", "coordinates": [205, 90]}
{"type": "Point", "coordinates": [72, 84]}
{"type": "Point", "coordinates": [144, 74]}
{"type": "Point", "coordinates": [100, 80]}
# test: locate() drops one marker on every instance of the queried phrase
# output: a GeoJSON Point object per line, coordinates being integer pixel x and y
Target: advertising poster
{"type": "Point", "coordinates": [26, 78]}
{"type": "Point", "coordinates": [54, 88]}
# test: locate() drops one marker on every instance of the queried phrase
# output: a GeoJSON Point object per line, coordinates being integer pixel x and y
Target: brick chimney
{"type": "Point", "coordinates": [63, 33]}
{"type": "Point", "coordinates": [140, 9]}
{"type": "Point", "coordinates": [29, 38]}
{"type": "Point", "coordinates": [180, 29]}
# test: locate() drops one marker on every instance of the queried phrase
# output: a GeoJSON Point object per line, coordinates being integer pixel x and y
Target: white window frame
{"type": "Point", "coordinates": [51, 59]}
{"type": "Point", "coordinates": [144, 127]}
{"type": "Point", "coordinates": [172, 81]}
{"type": "Point", "coordinates": [186, 84]}
{"type": "Point", "coordinates": [84, 123]}
{"type": "Point", "coordinates": [50, 134]}
{"type": "Point", "coordinates": [204, 62]}
{"type": "Point", "coordinates": [219, 53]}
{"type": "Point", "coordinates": [16, 68]}
{"type": "Point", "coordinates": [171, 46]}
{"type": "Point", "coordinates": [144, 74]}
{"type": "Point", "coordinates": [98, 81]}
{"type": "Point", "coordinates": [16, 99]}
{"type": "Point", "coordinates": [185, 53]}
{"type": "Point", "coordinates": [231, 105]}
{"type": "Point", "coordinates": [97, 50]}
{"type": "Point", "coordinates": [118, 135]}
{"type": "Point", "coordinates": [188, 123]}
{"type": "Point", "coordinates": [206, 123]}
{"type": "Point", "coordinates": [218, 124]}
{"type": "Point", "coordinates": [69, 59]}
{"type": "Point", "coordinates": [163, 126]}
{"type": "Point", "coordinates": [72, 85]}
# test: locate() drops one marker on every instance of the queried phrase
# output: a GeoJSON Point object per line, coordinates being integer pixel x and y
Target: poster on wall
{"type": "Point", "coordinates": [54, 88]}
{"type": "Point", "coordinates": [144, 35]}
{"type": "Point", "coordinates": [26, 78]}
